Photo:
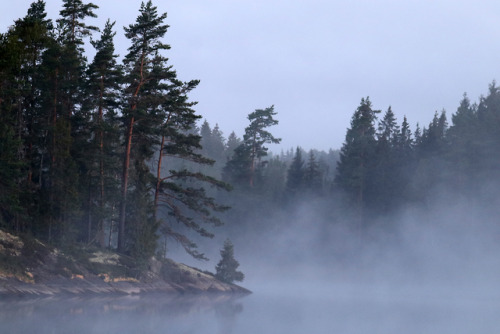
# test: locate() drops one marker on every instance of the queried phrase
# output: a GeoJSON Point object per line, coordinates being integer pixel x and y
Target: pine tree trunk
{"type": "Point", "coordinates": [89, 214]}
{"type": "Point", "coordinates": [123, 205]}
{"type": "Point", "coordinates": [158, 179]}
{"type": "Point", "coordinates": [252, 167]}
{"type": "Point", "coordinates": [126, 163]}
{"type": "Point", "coordinates": [100, 223]}
{"type": "Point", "coordinates": [361, 196]}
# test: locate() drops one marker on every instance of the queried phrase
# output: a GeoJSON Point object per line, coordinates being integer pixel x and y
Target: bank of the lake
{"type": "Point", "coordinates": [30, 268]}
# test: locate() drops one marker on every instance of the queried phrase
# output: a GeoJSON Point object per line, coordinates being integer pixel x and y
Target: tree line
{"type": "Point", "coordinates": [382, 168]}
{"type": "Point", "coordinates": [110, 152]}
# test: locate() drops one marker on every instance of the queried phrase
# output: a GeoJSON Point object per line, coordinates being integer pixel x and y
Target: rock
{"type": "Point", "coordinates": [49, 272]}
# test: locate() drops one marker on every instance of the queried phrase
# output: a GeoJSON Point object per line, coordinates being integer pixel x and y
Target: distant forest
{"type": "Point", "coordinates": [113, 154]}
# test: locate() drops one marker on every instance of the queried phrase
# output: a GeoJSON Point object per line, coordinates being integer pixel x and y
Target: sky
{"type": "Point", "coordinates": [314, 60]}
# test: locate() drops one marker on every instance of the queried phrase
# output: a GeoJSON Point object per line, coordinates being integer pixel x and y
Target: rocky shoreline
{"type": "Point", "coordinates": [28, 268]}
{"type": "Point", "coordinates": [11, 287]}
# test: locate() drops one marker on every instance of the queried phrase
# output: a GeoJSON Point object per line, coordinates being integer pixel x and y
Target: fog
{"type": "Point", "coordinates": [450, 251]}
{"type": "Point", "coordinates": [430, 268]}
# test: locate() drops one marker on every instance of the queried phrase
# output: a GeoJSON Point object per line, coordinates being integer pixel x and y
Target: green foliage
{"type": "Point", "coordinates": [69, 129]}
{"type": "Point", "coordinates": [102, 149]}
{"type": "Point", "coordinates": [357, 157]}
{"type": "Point", "coordinates": [11, 169]}
{"type": "Point", "coordinates": [149, 81]}
{"type": "Point", "coordinates": [87, 147]}
{"type": "Point", "coordinates": [71, 21]}
{"type": "Point", "coordinates": [225, 270]}
{"type": "Point", "coordinates": [295, 175]}
{"type": "Point", "coordinates": [246, 160]}
{"type": "Point", "coordinates": [313, 175]}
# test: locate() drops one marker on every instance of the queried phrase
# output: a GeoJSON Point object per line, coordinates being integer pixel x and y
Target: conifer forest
{"type": "Point", "coordinates": [111, 152]}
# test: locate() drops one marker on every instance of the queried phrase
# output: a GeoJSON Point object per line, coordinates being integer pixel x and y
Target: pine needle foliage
{"type": "Point", "coordinates": [225, 270]}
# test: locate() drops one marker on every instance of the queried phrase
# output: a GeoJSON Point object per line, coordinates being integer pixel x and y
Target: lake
{"type": "Point", "coordinates": [284, 307]}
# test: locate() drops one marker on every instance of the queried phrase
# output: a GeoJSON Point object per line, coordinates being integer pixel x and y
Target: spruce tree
{"type": "Point", "coordinates": [313, 176]}
{"type": "Point", "coordinates": [231, 144]}
{"type": "Point", "coordinates": [212, 143]}
{"type": "Point", "coordinates": [464, 146]}
{"type": "Point", "coordinates": [216, 151]}
{"type": "Point", "coordinates": [295, 175]}
{"type": "Point", "coordinates": [226, 270]}
{"type": "Point", "coordinates": [357, 157]}
{"type": "Point", "coordinates": [405, 163]}
{"type": "Point", "coordinates": [432, 166]}
{"type": "Point", "coordinates": [487, 135]}
{"type": "Point", "coordinates": [382, 178]}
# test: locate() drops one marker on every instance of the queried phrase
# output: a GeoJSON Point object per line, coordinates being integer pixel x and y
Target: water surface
{"type": "Point", "coordinates": [309, 308]}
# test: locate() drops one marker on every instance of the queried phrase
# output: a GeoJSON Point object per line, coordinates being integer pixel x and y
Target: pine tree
{"type": "Point", "coordinates": [357, 157]}
{"type": "Point", "coordinates": [405, 163]}
{"type": "Point", "coordinates": [432, 167]}
{"type": "Point", "coordinates": [206, 136]}
{"type": "Point", "coordinates": [225, 270]}
{"type": "Point", "coordinates": [181, 194]}
{"type": "Point", "coordinates": [295, 175]}
{"type": "Point", "coordinates": [70, 133]}
{"type": "Point", "coordinates": [464, 146]}
{"type": "Point", "coordinates": [73, 14]}
{"type": "Point", "coordinates": [313, 175]}
{"type": "Point", "coordinates": [22, 49]}
{"type": "Point", "coordinates": [104, 76]}
{"type": "Point", "coordinates": [232, 143]}
{"type": "Point", "coordinates": [272, 184]}
{"type": "Point", "coordinates": [382, 177]}
{"type": "Point", "coordinates": [213, 146]}
{"type": "Point", "coordinates": [237, 170]}
{"type": "Point", "coordinates": [245, 162]}
{"type": "Point", "coordinates": [403, 142]}
{"type": "Point", "coordinates": [146, 77]}
{"type": "Point", "coordinates": [11, 170]}
{"type": "Point", "coordinates": [217, 150]}
{"type": "Point", "coordinates": [487, 137]}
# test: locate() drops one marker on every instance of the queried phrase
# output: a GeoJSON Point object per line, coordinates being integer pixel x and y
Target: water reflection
{"type": "Point", "coordinates": [129, 314]}
{"type": "Point", "coordinates": [290, 309]}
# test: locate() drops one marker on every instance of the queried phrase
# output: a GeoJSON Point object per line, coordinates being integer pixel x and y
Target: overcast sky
{"type": "Point", "coordinates": [314, 60]}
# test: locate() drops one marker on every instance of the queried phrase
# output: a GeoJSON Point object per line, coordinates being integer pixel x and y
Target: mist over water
{"type": "Point", "coordinates": [426, 269]}
{"type": "Point", "coordinates": [423, 270]}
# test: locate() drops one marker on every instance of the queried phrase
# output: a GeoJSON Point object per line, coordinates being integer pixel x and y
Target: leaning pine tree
{"type": "Point", "coordinates": [243, 166]}
{"type": "Point", "coordinates": [146, 77]}
{"type": "Point", "coordinates": [226, 268]}
{"type": "Point", "coordinates": [159, 122]}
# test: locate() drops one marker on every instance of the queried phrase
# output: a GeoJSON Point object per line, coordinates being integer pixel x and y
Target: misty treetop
{"type": "Point", "coordinates": [385, 167]}
{"type": "Point", "coordinates": [244, 164]}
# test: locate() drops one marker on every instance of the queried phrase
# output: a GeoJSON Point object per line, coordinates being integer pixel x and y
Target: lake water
{"type": "Point", "coordinates": [281, 308]}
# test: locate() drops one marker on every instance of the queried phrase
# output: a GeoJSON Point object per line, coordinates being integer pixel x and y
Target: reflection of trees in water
{"type": "Point", "coordinates": [226, 315]}
{"type": "Point", "coordinates": [128, 314]}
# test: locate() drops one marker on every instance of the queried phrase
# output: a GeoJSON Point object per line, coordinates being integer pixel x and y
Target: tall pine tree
{"type": "Point", "coordinates": [357, 157]}
{"type": "Point", "coordinates": [243, 166]}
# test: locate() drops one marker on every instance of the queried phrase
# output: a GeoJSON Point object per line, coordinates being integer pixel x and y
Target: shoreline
{"type": "Point", "coordinates": [11, 287]}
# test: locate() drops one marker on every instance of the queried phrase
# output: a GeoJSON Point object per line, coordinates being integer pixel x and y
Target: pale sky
{"type": "Point", "coordinates": [314, 60]}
